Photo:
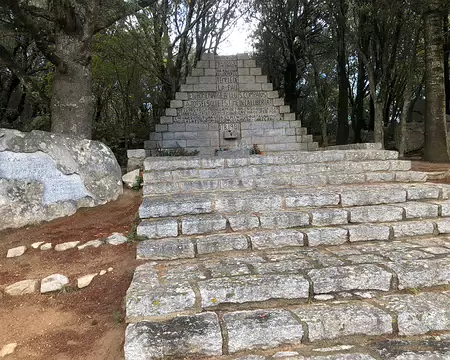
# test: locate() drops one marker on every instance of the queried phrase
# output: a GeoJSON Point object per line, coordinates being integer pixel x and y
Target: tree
{"type": "Point", "coordinates": [63, 31]}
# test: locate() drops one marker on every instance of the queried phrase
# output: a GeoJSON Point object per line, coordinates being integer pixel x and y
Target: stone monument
{"type": "Point", "coordinates": [227, 103]}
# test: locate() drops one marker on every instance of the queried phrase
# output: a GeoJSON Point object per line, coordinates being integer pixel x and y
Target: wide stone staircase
{"type": "Point", "coordinates": [335, 254]}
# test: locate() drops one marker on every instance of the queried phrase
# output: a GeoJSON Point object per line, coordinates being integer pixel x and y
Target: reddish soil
{"type": "Point", "coordinates": [424, 166]}
{"type": "Point", "coordinates": [75, 324]}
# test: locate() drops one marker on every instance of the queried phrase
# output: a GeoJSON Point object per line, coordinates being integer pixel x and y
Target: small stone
{"type": "Point", "coordinates": [37, 244]}
{"type": "Point", "coordinates": [66, 246]}
{"type": "Point", "coordinates": [284, 354]}
{"type": "Point", "coordinates": [103, 272]}
{"type": "Point", "coordinates": [16, 252]}
{"type": "Point", "coordinates": [46, 246]}
{"type": "Point", "coordinates": [323, 297]}
{"type": "Point", "coordinates": [86, 280]}
{"type": "Point", "coordinates": [110, 269]}
{"type": "Point", "coordinates": [366, 294]}
{"type": "Point", "coordinates": [8, 349]}
{"type": "Point", "coordinates": [22, 287]}
{"type": "Point", "coordinates": [335, 348]}
{"type": "Point", "coordinates": [92, 243]}
{"type": "Point", "coordinates": [116, 239]}
{"type": "Point", "coordinates": [131, 179]}
{"type": "Point", "coordinates": [53, 282]}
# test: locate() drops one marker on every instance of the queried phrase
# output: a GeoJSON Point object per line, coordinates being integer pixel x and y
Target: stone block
{"type": "Point", "coordinates": [247, 79]}
{"type": "Point", "coordinates": [380, 177]}
{"type": "Point", "coordinates": [267, 87]}
{"type": "Point", "coordinates": [167, 144]}
{"type": "Point", "coordinates": [400, 165]}
{"type": "Point", "coordinates": [243, 71]}
{"type": "Point", "coordinates": [161, 128]}
{"type": "Point", "coordinates": [311, 200]}
{"type": "Point", "coordinates": [256, 203]}
{"type": "Point", "coordinates": [368, 232]}
{"type": "Point", "coordinates": [419, 314]}
{"type": "Point", "coordinates": [197, 335]}
{"type": "Point", "coordinates": [374, 196]}
{"type": "Point", "coordinates": [326, 217]}
{"type": "Point", "coordinates": [220, 243]}
{"type": "Point", "coordinates": [273, 95]}
{"type": "Point", "coordinates": [176, 127]}
{"type": "Point", "coordinates": [250, 87]}
{"type": "Point", "coordinates": [158, 229]}
{"type": "Point", "coordinates": [261, 79]}
{"type": "Point", "coordinates": [138, 153]}
{"type": "Point", "coordinates": [350, 278]}
{"type": "Point", "coordinates": [192, 80]}
{"type": "Point", "coordinates": [176, 104]}
{"type": "Point", "coordinates": [423, 192]}
{"type": "Point", "coordinates": [377, 213]}
{"type": "Point", "coordinates": [443, 226]}
{"type": "Point", "coordinates": [167, 249]}
{"type": "Point", "coordinates": [205, 87]}
{"type": "Point", "coordinates": [276, 239]}
{"type": "Point", "coordinates": [165, 120]}
{"type": "Point", "coordinates": [256, 71]}
{"type": "Point", "coordinates": [410, 176]}
{"type": "Point", "coordinates": [326, 236]}
{"type": "Point", "coordinates": [252, 288]}
{"type": "Point", "coordinates": [284, 220]}
{"type": "Point", "coordinates": [212, 64]}
{"type": "Point", "coordinates": [420, 210]}
{"type": "Point", "coordinates": [203, 64]}
{"type": "Point", "coordinates": [243, 221]}
{"type": "Point", "coordinates": [208, 79]}
{"type": "Point", "coordinates": [198, 72]}
{"type": "Point", "coordinates": [186, 88]}
{"type": "Point", "coordinates": [332, 321]}
{"type": "Point", "coordinates": [181, 96]}
{"type": "Point", "coordinates": [255, 330]}
{"type": "Point", "coordinates": [285, 109]}
{"type": "Point", "coordinates": [342, 179]}
{"type": "Point", "coordinates": [22, 288]}
{"type": "Point", "coordinates": [243, 56]}
{"type": "Point", "coordinates": [208, 56]}
{"type": "Point", "coordinates": [289, 117]}
{"type": "Point", "coordinates": [203, 224]}
{"type": "Point", "coordinates": [210, 72]}
{"type": "Point", "coordinates": [413, 228]}
{"type": "Point", "coordinates": [199, 186]}
{"type": "Point", "coordinates": [250, 63]}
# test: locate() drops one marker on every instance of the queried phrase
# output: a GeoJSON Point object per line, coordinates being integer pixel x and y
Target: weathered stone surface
{"type": "Point", "coordinates": [66, 246]}
{"type": "Point", "coordinates": [242, 289]}
{"type": "Point", "coordinates": [443, 226]}
{"type": "Point", "coordinates": [276, 239]}
{"type": "Point", "coordinates": [419, 210]}
{"type": "Point", "coordinates": [327, 217]}
{"type": "Point", "coordinates": [368, 232]}
{"type": "Point", "coordinates": [116, 239]}
{"type": "Point", "coordinates": [22, 287]}
{"type": "Point", "coordinates": [312, 200]}
{"type": "Point", "coordinates": [166, 249]}
{"type": "Point", "coordinates": [243, 221]}
{"type": "Point", "coordinates": [45, 176]}
{"type": "Point", "coordinates": [347, 278]}
{"type": "Point", "coordinates": [261, 329]}
{"type": "Point", "coordinates": [157, 229]}
{"type": "Point", "coordinates": [284, 220]}
{"type": "Point", "coordinates": [377, 213]}
{"type": "Point", "coordinates": [8, 349]}
{"type": "Point", "coordinates": [203, 224]}
{"type": "Point", "coordinates": [147, 299]}
{"type": "Point", "coordinates": [176, 206]}
{"type": "Point", "coordinates": [85, 281]}
{"type": "Point", "coordinates": [46, 246]}
{"type": "Point", "coordinates": [92, 243]}
{"type": "Point", "coordinates": [37, 244]}
{"type": "Point", "coordinates": [413, 228]}
{"type": "Point", "coordinates": [16, 252]}
{"type": "Point", "coordinates": [183, 336]}
{"type": "Point", "coordinates": [423, 192]}
{"type": "Point", "coordinates": [53, 282]}
{"type": "Point", "coordinates": [326, 236]}
{"type": "Point", "coordinates": [131, 179]}
{"type": "Point", "coordinates": [373, 196]}
{"type": "Point", "coordinates": [219, 243]}
{"type": "Point", "coordinates": [255, 202]}
{"type": "Point", "coordinates": [421, 273]}
{"type": "Point", "coordinates": [331, 321]}
{"type": "Point", "coordinates": [419, 314]}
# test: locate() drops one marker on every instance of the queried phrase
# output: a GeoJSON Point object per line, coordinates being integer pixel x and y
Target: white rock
{"type": "Point", "coordinates": [17, 251]}
{"type": "Point", "coordinates": [130, 179]}
{"type": "Point", "coordinates": [335, 348]}
{"type": "Point", "coordinates": [22, 287]}
{"type": "Point", "coordinates": [92, 243]}
{"type": "Point", "coordinates": [46, 246]}
{"type": "Point", "coordinates": [37, 244]}
{"type": "Point", "coordinates": [284, 354]}
{"type": "Point", "coordinates": [8, 349]}
{"type": "Point", "coordinates": [86, 280]}
{"type": "Point", "coordinates": [66, 246]}
{"type": "Point", "coordinates": [324, 297]}
{"type": "Point", "coordinates": [53, 282]}
{"type": "Point", "coordinates": [103, 272]}
{"type": "Point", "coordinates": [110, 269]}
{"type": "Point", "coordinates": [116, 239]}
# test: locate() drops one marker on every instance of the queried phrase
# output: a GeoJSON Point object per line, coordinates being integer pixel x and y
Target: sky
{"type": "Point", "coordinates": [239, 40]}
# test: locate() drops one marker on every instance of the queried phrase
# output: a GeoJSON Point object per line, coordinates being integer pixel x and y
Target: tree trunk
{"type": "Point", "coordinates": [446, 63]}
{"type": "Point", "coordinates": [343, 128]}
{"type": "Point", "coordinates": [378, 131]}
{"type": "Point", "coordinates": [358, 118]}
{"type": "Point", "coordinates": [436, 147]}
{"type": "Point", "coordinates": [72, 104]}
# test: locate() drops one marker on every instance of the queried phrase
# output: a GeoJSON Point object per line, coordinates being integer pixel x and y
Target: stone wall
{"type": "Point", "coordinates": [228, 103]}
{"type": "Point", "coordinates": [44, 176]}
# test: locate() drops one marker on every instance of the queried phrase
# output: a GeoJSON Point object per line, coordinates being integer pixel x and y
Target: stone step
{"type": "Point", "coordinates": [188, 185]}
{"type": "Point", "coordinates": [232, 303]}
{"type": "Point", "coordinates": [198, 236]}
{"type": "Point", "coordinates": [245, 201]}
{"type": "Point", "coordinates": [296, 157]}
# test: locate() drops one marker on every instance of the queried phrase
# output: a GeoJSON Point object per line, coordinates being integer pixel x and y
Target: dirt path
{"type": "Point", "coordinates": [82, 324]}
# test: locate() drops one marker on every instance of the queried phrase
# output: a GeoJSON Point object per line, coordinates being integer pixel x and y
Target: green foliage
{"type": "Point", "coordinates": [175, 152]}
{"type": "Point", "coordinates": [118, 316]}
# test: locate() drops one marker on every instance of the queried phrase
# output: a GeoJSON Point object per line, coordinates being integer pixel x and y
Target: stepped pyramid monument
{"type": "Point", "coordinates": [228, 103]}
{"type": "Point", "coordinates": [339, 254]}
